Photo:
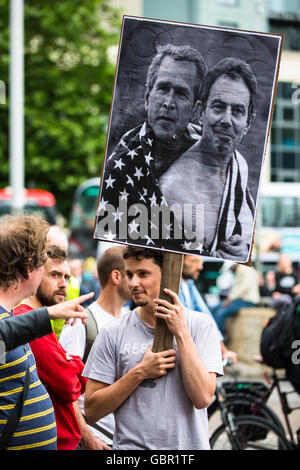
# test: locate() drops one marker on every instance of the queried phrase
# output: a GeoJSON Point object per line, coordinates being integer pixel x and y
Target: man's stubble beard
{"type": "Point", "coordinates": [46, 300]}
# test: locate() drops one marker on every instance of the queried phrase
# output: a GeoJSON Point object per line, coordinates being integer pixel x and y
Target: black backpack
{"type": "Point", "coordinates": [278, 336]}
{"type": "Point", "coordinates": [91, 330]}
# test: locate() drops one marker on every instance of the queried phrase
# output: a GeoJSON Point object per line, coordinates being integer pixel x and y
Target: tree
{"type": "Point", "coordinates": [68, 90]}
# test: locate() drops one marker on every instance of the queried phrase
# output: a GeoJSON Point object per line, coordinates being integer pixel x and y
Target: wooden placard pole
{"type": "Point", "coordinates": [171, 278]}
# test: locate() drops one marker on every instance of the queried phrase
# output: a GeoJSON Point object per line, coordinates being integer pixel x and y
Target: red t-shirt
{"type": "Point", "coordinates": [61, 375]}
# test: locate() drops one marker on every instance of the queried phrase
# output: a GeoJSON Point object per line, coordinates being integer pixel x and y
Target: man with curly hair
{"type": "Point", "coordinates": [30, 425]}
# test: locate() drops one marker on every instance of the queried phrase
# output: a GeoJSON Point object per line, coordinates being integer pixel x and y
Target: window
{"type": "Point", "coordinates": [288, 114]}
{"type": "Point", "coordinates": [285, 136]}
{"type": "Point", "coordinates": [281, 211]}
{"type": "Point", "coordinates": [285, 7]}
{"type": "Point", "coordinates": [224, 24]}
{"type": "Point", "coordinates": [231, 3]}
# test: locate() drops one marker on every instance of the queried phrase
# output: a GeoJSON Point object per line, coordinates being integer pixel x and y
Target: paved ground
{"type": "Point", "coordinates": [293, 399]}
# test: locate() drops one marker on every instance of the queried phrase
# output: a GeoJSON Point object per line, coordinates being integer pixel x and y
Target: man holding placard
{"type": "Point", "coordinates": [159, 399]}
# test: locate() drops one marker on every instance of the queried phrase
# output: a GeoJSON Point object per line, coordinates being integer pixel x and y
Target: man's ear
{"type": "Point", "coordinates": [251, 119]}
{"type": "Point", "coordinates": [202, 107]}
{"type": "Point", "coordinates": [115, 276]}
{"type": "Point", "coordinates": [250, 122]}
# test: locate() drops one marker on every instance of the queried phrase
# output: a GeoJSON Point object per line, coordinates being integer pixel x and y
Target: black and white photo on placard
{"type": "Point", "coordinates": [187, 136]}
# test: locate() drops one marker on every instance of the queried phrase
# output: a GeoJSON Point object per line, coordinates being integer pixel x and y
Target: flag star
{"type": "Point", "coordinates": [109, 182]}
{"type": "Point", "coordinates": [186, 245]}
{"type": "Point", "coordinates": [168, 227]}
{"type": "Point", "coordinates": [152, 199]}
{"type": "Point", "coordinates": [132, 153]}
{"type": "Point", "coordinates": [117, 215]}
{"type": "Point", "coordinates": [199, 247]}
{"type": "Point", "coordinates": [152, 225]}
{"type": "Point", "coordinates": [119, 164]}
{"type": "Point", "coordinates": [149, 240]}
{"type": "Point", "coordinates": [133, 226]}
{"type": "Point", "coordinates": [102, 205]}
{"type": "Point", "coordinates": [109, 235]}
{"type": "Point", "coordinates": [163, 201]}
{"type": "Point", "coordinates": [138, 173]}
{"type": "Point", "coordinates": [124, 195]}
{"type": "Point", "coordinates": [145, 192]}
{"type": "Point", "coordinates": [148, 158]}
{"type": "Point", "coordinates": [129, 180]}
{"type": "Point", "coordinates": [142, 197]}
{"type": "Point", "coordinates": [150, 142]}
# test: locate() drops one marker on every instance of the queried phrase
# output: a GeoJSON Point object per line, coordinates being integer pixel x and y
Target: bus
{"type": "Point", "coordinates": [35, 200]}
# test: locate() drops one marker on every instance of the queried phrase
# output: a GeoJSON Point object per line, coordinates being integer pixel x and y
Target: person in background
{"type": "Point", "coordinates": [244, 293]}
{"type": "Point", "coordinates": [191, 298]}
{"type": "Point", "coordinates": [57, 237]}
{"type": "Point", "coordinates": [59, 371]}
{"type": "Point", "coordinates": [106, 308]}
{"type": "Point", "coordinates": [267, 285]}
{"type": "Point", "coordinates": [77, 272]}
{"type": "Point", "coordinates": [22, 258]}
{"type": "Point", "coordinates": [90, 275]}
{"type": "Point", "coordinates": [287, 284]}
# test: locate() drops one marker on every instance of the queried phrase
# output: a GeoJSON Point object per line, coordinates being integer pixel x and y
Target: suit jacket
{"type": "Point", "coordinates": [15, 331]}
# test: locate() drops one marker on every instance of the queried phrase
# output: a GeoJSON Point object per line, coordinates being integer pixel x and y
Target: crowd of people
{"type": "Point", "coordinates": [61, 388]}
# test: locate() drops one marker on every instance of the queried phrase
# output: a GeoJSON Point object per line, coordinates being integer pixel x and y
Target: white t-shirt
{"type": "Point", "coordinates": [73, 340]}
{"type": "Point", "coordinates": [158, 415]}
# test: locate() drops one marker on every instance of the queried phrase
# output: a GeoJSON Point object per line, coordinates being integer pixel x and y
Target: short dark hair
{"type": "Point", "coordinates": [234, 68]}
{"type": "Point", "coordinates": [140, 253]}
{"type": "Point", "coordinates": [56, 252]}
{"type": "Point", "coordinates": [22, 247]}
{"type": "Point", "coordinates": [110, 260]}
{"type": "Point", "coordinates": [183, 53]}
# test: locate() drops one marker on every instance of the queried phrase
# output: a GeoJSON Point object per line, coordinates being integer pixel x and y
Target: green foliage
{"type": "Point", "coordinates": [68, 91]}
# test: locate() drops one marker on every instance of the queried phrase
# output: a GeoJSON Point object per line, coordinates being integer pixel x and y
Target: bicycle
{"type": "Point", "coordinates": [247, 421]}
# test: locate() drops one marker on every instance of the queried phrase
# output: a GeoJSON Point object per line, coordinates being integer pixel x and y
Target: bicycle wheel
{"type": "Point", "coordinates": [252, 433]}
{"type": "Point", "coordinates": [249, 405]}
